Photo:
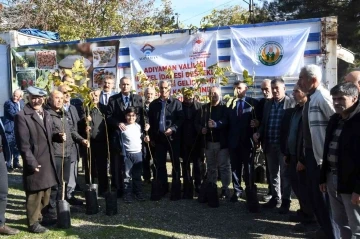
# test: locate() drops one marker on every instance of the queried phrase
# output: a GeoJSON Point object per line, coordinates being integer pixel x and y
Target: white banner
{"type": "Point", "coordinates": [180, 54]}
{"type": "Point", "coordinates": [268, 52]}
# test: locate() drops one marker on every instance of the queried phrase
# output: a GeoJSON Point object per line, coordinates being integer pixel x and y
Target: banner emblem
{"type": "Point", "coordinates": [270, 53]}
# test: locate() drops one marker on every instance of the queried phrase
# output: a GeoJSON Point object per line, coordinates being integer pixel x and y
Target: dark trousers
{"type": "Point", "coordinates": [14, 155]}
{"type": "Point", "coordinates": [267, 175]}
{"type": "Point", "coordinates": [298, 185]}
{"type": "Point", "coordinates": [147, 167]}
{"type": "Point", "coordinates": [191, 154]}
{"type": "Point", "coordinates": [3, 191]}
{"type": "Point", "coordinates": [319, 200]}
{"type": "Point", "coordinates": [132, 173]}
{"type": "Point", "coordinates": [117, 169]}
{"type": "Point", "coordinates": [162, 147]}
{"type": "Point", "coordinates": [239, 158]}
{"type": "Point", "coordinates": [99, 154]}
{"type": "Point", "coordinates": [56, 191]}
{"type": "Point", "coordinates": [35, 202]}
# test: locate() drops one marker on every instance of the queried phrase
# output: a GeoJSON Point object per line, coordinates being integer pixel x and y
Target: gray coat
{"type": "Point", "coordinates": [34, 140]}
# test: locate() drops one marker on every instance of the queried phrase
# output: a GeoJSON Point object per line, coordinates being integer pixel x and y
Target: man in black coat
{"type": "Point", "coordinates": [63, 151]}
{"type": "Point", "coordinates": [148, 149]}
{"type": "Point", "coordinates": [166, 118]}
{"type": "Point", "coordinates": [292, 148]}
{"type": "Point", "coordinates": [33, 130]}
{"type": "Point", "coordinates": [115, 115]}
{"type": "Point", "coordinates": [239, 117]}
{"type": "Point", "coordinates": [190, 142]}
{"type": "Point", "coordinates": [266, 90]}
{"type": "Point", "coordinates": [340, 171]}
{"type": "Point", "coordinates": [99, 142]}
{"type": "Point", "coordinates": [74, 121]}
{"type": "Point", "coordinates": [210, 123]}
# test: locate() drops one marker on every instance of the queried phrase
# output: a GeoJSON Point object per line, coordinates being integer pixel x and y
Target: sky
{"type": "Point", "coordinates": [191, 11]}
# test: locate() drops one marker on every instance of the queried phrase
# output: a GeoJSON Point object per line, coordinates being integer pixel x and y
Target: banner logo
{"type": "Point", "coordinates": [147, 49]}
{"type": "Point", "coordinates": [270, 53]}
{"type": "Point", "coordinates": [198, 44]}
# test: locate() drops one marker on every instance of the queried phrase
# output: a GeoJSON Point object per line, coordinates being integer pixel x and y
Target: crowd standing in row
{"type": "Point", "coordinates": [310, 141]}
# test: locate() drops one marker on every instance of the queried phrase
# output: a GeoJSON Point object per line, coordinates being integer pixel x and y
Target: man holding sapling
{"type": "Point", "coordinates": [209, 123]}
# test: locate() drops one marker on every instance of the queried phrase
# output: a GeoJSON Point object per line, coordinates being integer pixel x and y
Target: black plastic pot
{"type": "Point", "coordinates": [212, 195]}
{"type": "Point", "coordinates": [63, 214]}
{"type": "Point", "coordinates": [92, 206]}
{"type": "Point", "coordinates": [111, 203]}
{"type": "Point", "coordinates": [93, 187]}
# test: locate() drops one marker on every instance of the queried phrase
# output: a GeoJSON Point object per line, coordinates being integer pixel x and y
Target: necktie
{"type": "Point", "coordinates": [126, 101]}
{"type": "Point", "coordinates": [240, 109]}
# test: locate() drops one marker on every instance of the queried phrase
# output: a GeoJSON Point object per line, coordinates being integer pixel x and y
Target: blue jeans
{"type": "Point", "coordinates": [319, 200]}
{"type": "Point", "coordinates": [132, 173]}
{"type": "Point", "coordinates": [346, 214]}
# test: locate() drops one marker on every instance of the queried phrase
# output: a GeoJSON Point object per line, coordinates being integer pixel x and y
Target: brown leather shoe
{"type": "Point", "coordinates": [5, 230]}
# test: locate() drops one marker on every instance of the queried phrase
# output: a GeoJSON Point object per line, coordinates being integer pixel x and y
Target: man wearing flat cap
{"type": "Point", "coordinates": [34, 139]}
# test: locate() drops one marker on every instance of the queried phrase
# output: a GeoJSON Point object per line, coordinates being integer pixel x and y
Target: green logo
{"type": "Point", "coordinates": [270, 53]}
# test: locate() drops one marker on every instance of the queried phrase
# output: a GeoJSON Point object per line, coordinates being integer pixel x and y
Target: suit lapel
{"type": "Point", "coordinates": [37, 119]}
{"type": "Point", "coordinates": [121, 102]}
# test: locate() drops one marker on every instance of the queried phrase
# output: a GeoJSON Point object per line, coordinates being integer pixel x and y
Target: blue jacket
{"type": "Point", "coordinates": [10, 110]}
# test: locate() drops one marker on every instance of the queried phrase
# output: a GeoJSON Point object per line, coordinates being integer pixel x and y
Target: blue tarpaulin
{"type": "Point", "coordinates": [45, 34]}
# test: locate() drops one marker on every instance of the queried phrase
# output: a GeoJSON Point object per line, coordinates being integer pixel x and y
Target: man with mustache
{"type": "Point", "coordinates": [340, 172]}
{"type": "Point", "coordinates": [33, 129]}
{"type": "Point", "coordinates": [270, 132]}
{"type": "Point", "coordinates": [166, 118]}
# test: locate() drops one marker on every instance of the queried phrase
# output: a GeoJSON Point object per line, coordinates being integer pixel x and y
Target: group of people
{"type": "Point", "coordinates": [309, 140]}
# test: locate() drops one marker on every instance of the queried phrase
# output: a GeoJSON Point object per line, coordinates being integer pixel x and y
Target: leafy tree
{"type": "Point", "coordinates": [79, 19]}
{"type": "Point", "coordinates": [163, 19]}
{"type": "Point", "coordinates": [228, 16]}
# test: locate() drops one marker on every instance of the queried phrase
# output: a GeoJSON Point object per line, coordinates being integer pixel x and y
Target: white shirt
{"type": "Point", "coordinates": [131, 138]}
{"type": "Point", "coordinates": [124, 100]}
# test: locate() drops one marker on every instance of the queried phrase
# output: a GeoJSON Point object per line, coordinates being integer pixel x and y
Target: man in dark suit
{"type": "Point", "coordinates": [11, 108]}
{"type": "Point", "coordinates": [97, 128]}
{"type": "Point", "coordinates": [240, 133]}
{"type": "Point", "coordinates": [269, 132]}
{"type": "Point", "coordinates": [266, 90]}
{"type": "Point", "coordinates": [74, 120]}
{"type": "Point", "coordinates": [115, 114]}
{"type": "Point", "coordinates": [107, 92]}
{"type": "Point", "coordinates": [166, 118]}
{"type": "Point", "coordinates": [4, 148]}
{"type": "Point", "coordinates": [33, 129]}
{"type": "Point", "coordinates": [190, 143]}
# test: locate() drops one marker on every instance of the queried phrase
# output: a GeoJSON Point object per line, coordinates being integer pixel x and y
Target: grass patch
{"type": "Point", "coordinates": [162, 219]}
